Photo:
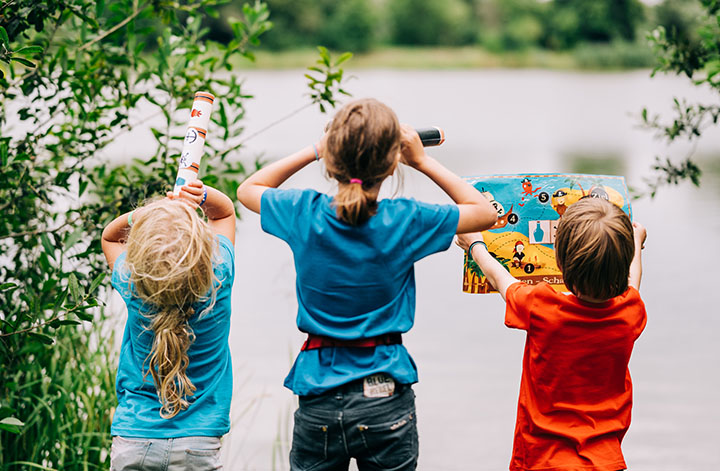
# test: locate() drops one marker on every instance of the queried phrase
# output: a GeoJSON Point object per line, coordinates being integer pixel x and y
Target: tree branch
{"type": "Point", "coordinates": [114, 28]}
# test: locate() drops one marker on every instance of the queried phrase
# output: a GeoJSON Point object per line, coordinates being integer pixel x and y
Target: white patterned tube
{"type": "Point", "coordinates": [192, 151]}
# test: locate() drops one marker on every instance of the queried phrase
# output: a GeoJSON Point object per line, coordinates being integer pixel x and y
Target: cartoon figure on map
{"type": "Point", "coordinates": [599, 192]}
{"type": "Point", "coordinates": [503, 217]}
{"type": "Point", "coordinates": [518, 254]}
{"type": "Point", "coordinates": [527, 190]}
{"type": "Point", "coordinates": [559, 202]}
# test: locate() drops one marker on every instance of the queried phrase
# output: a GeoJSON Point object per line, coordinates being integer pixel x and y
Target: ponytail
{"type": "Point", "coordinates": [363, 142]}
{"type": "Point", "coordinates": [168, 359]}
{"type": "Point", "coordinates": [354, 204]}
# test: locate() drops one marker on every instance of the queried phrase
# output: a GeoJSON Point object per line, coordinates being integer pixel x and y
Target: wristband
{"type": "Point", "coordinates": [204, 196]}
{"type": "Point", "coordinates": [317, 155]}
{"type": "Point", "coordinates": [130, 221]}
{"type": "Point", "coordinates": [473, 245]}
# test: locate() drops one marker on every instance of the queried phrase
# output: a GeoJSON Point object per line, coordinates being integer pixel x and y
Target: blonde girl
{"type": "Point", "coordinates": [354, 259]}
{"type": "Point", "coordinates": [175, 271]}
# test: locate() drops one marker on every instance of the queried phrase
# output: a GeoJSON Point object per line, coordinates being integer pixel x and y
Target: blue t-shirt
{"type": "Point", "coordinates": [210, 368]}
{"type": "Point", "coordinates": [354, 282]}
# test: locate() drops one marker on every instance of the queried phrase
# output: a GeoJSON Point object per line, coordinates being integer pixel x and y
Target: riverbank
{"type": "Point", "coordinates": [592, 57]}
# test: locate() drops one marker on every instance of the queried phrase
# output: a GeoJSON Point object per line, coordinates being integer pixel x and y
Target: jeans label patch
{"type": "Point", "coordinates": [378, 385]}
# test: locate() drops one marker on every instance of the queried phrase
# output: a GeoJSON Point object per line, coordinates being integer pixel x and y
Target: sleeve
{"type": "Point", "coordinates": [227, 257]}
{"type": "Point", "coordinates": [279, 211]}
{"type": "Point", "coordinates": [432, 228]}
{"type": "Point", "coordinates": [120, 279]}
{"type": "Point", "coordinates": [519, 299]}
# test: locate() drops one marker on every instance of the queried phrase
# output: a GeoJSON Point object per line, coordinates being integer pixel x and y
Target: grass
{"type": "Point", "coordinates": [587, 57]}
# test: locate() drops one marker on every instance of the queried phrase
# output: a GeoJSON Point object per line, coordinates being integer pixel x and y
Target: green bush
{"type": "Point", "coordinates": [75, 76]}
{"type": "Point", "coordinates": [351, 26]}
{"type": "Point", "coordinates": [429, 22]}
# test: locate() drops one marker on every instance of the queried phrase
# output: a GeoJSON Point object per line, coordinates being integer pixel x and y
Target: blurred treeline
{"type": "Point", "coordinates": [603, 30]}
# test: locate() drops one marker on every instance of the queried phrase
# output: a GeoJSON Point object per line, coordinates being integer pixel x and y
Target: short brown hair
{"type": "Point", "coordinates": [363, 143]}
{"type": "Point", "coordinates": [594, 247]}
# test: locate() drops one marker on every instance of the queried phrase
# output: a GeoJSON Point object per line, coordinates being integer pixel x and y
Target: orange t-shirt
{"type": "Point", "coordinates": [576, 393]}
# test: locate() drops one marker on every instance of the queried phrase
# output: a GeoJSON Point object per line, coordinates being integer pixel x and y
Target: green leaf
{"type": "Point", "coordinates": [69, 322]}
{"type": "Point", "coordinates": [96, 282]}
{"type": "Point", "coordinates": [24, 62]}
{"type": "Point", "coordinates": [47, 245]}
{"type": "Point", "coordinates": [29, 50]}
{"type": "Point", "coordinates": [46, 339]}
{"type": "Point", "coordinates": [11, 424]}
{"type": "Point", "coordinates": [4, 38]}
{"type": "Point", "coordinates": [86, 316]}
{"type": "Point", "coordinates": [74, 287]}
{"type": "Point", "coordinates": [7, 286]}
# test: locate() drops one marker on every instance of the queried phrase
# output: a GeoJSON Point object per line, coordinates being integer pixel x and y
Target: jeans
{"type": "Point", "coordinates": [380, 433]}
{"type": "Point", "coordinates": [165, 454]}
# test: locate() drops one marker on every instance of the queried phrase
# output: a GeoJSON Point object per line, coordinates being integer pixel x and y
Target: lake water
{"type": "Point", "coordinates": [500, 121]}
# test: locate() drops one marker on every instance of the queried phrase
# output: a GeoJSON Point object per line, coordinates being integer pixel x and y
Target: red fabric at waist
{"type": "Point", "coordinates": [319, 341]}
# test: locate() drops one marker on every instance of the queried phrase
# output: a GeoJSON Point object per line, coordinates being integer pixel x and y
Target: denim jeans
{"type": "Point", "coordinates": [169, 454]}
{"type": "Point", "coordinates": [380, 433]}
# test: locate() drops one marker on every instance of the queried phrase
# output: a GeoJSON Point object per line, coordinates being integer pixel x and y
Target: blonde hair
{"type": "Point", "coordinates": [363, 142]}
{"type": "Point", "coordinates": [170, 254]}
{"type": "Point", "coordinates": [594, 247]}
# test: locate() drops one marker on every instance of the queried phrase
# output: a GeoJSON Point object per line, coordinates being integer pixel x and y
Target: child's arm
{"type": "Point", "coordinates": [218, 207]}
{"type": "Point", "coordinates": [496, 274]}
{"type": "Point", "coordinates": [251, 190]}
{"type": "Point", "coordinates": [639, 234]}
{"type": "Point", "coordinates": [476, 212]}
{"type": "Point", "coordinates": [114, 236]}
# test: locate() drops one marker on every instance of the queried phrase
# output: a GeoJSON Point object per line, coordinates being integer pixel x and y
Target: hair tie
{"type": "Point", "coordinates": [356, 180]}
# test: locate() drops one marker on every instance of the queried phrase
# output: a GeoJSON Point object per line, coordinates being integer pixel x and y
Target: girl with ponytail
{"type": "Point", "coordinates": [354, 259]}
{"type": "Point", "coordinates": [174, 270]}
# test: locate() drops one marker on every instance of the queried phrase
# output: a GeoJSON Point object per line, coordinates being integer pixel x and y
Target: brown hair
{"type": "Point", "coordinates": [594, 248]}
{"type": "Point", "coordinates": [170, 252]}
{"type": "Point", "coordinates": [363, 142]}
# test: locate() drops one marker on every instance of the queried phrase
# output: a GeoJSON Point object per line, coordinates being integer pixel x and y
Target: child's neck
{"type": "Point", "coordinates": [590, 300]}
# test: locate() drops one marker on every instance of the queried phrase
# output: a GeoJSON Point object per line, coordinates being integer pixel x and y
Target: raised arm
{"type": "Point", "coordinates": [250, 191]}
{"type": "Point", "coordinates": [114, 236]}
{"type": "Point", "coordinates": [496, 274]}
{"type": "Point", "coordinates": [476, 212]}
{"type": "Point", "coordinates": [639, 234]}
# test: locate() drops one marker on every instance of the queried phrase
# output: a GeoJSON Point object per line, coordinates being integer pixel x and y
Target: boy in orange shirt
{"type": "Point", "coordinates": [576, 394]}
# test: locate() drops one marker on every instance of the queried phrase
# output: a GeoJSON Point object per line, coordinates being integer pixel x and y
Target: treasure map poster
{"type": "Point", "coordinates": [529, 208]}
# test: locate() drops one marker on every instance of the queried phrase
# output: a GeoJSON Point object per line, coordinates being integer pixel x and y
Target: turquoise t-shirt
{"type": "Point", "coordinates": [210, 368]}
{"type": "Point", "coordinates": [354, 282]}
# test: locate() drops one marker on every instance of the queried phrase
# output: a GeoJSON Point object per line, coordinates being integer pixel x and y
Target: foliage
{"type": "Point", "coordinates": [696, 55]}
{"type": "Point", "coordinates": [429, 22]}
{"type": "Point", "coordinates": [83, 81]}
{"type": "Point", "coordinates": [575, 21]}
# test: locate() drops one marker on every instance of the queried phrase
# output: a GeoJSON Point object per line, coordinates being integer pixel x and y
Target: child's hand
{"type": "Point", "coordinates": [191, 193]}
{"type": "Point", "coordinates": [639, 234]}
{"type": "Point", "coordinates": [411, 148]}
{"type": "Point", "coordinates": [464, 240]}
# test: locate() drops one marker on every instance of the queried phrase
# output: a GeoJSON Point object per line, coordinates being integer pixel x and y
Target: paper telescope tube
{"type": "Point", "coordinates": [432, 136]}
{"type": "Point", "coordinates": [192, 151]}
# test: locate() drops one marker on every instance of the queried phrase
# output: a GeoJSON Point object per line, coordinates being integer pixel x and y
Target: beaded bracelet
{"type": "Point", "coordinates": [204, 196]}
{"type": "Point", "coordinates": [130, 221]}
{"type": "Point", "coordinates": [473, 245]}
